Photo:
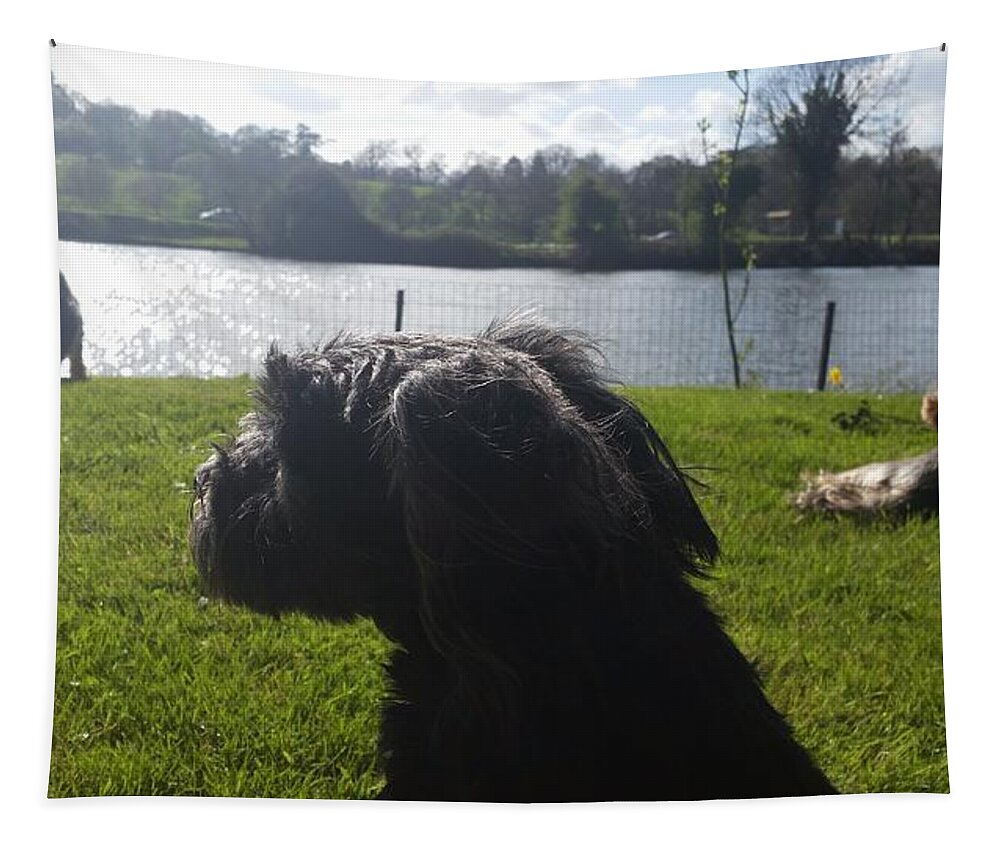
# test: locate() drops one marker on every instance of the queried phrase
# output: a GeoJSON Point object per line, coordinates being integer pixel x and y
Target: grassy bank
{"type": "Point", "coordinates": [158, 695]}
{"type": "Point", "coordinates": [458, 249]}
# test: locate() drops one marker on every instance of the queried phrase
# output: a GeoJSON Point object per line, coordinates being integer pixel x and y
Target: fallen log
{"type": "Point", "coordinates": [885, 487]}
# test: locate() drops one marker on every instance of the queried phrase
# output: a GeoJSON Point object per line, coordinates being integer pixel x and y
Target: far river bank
{"type": "Point", "coordinates": [462, 250]}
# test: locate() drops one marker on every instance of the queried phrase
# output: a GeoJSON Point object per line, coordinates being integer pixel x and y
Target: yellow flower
{"type": "Point", "coordinates": [836, 376]}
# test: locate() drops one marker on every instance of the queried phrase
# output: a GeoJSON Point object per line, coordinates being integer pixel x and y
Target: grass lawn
{"type": "Point", "coordinates": [159, 695]}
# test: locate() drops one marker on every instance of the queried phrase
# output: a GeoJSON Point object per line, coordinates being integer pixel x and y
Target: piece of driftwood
{"type": "Point", "coordinates": [909, 484]}
{"type": "Point", "coordinates": [929, 409]}
{"type": "Point", "coordinates": [885, 487]}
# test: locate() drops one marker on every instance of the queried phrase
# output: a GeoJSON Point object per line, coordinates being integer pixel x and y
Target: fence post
{"type": "Point", "coordinates": [824, 357]}
{"type": "Point", "coordinates": [399, 310]}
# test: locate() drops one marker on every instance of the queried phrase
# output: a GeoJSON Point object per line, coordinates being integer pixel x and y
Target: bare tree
{"type": "Point", "coordinates": [559, 160]}
{"type": "Point", "coordinates": [436, 171]}
{"type": "Point", "coordinates": [723, 165]}
{"type": "Point", "coordinates": [414, 156]}
{"type": "Point", "coordinates": [375, 158]}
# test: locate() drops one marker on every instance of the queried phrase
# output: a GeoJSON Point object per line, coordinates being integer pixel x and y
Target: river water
{"type": "Point", "coordinates": [163, 312]}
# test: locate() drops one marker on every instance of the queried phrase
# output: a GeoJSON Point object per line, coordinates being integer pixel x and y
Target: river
{"type": "Point", "coordinates": [164, 312]}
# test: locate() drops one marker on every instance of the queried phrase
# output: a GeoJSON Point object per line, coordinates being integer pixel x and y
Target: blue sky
{"type": "Point", "coordinates": [627, 120]}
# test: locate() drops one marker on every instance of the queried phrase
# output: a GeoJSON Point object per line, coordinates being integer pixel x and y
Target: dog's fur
{"type": "Point", "coordinates": [70, 331]}
{"type": "Point", "coordinates": [521, 534]}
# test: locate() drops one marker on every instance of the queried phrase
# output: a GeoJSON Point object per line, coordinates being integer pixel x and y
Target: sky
{"type": "Point", "coordinates": [627, 121]}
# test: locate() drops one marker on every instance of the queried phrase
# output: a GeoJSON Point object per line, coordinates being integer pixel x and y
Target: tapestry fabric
{"type": "Point", "coordinates": [527, 442]}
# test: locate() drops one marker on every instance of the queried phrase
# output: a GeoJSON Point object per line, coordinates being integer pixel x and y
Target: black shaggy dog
{"type": "Point", "coordinates": [70, 331]}
{"type": "Point", "coordinates": [521, 534]}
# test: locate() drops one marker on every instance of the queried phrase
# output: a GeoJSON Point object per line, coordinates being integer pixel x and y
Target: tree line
{"type": "Point", "coordinates": [794, 181]}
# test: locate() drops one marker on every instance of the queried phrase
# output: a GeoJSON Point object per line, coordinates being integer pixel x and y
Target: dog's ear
{"type": "Point", "coordinates": [501, 476]}
{"type": "Point", "coordinates": [568, 356]}
{"type": "Point", "coordinates": [327, 474]}
{"type": "Point", "coordinates": [678, 524]}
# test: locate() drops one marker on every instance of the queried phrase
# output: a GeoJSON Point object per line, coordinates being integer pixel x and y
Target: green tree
{"type": "Point", "coordinates": [72, 133]}
{"type": "Point", "coordinates": [811, 138]}
{"type": "Point", "coordinates": [316, 218]}
{"type": "Point", "coordinates": [166, 136]}
{"type": "Point", "coordinates": [815, 111]}
{"type": "Point", "coordinates": [116, 132]}
{"type": "Point", "coordinates": [63, 104]}
{"type": "Point", "coordinates": [541, 197]}
{"type": "Point", "coordinates": [590, 217]}
{"type": "Point", "coordinates": [700, 193]}
{"type": "Point", "coordinates": [305, 142]}
{"type": "Point", "coordinates": [654, 192]}
{"type": "Point", "coordinates": [921, 184]}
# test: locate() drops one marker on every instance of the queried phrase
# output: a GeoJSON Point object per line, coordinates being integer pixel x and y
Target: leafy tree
{"type": "Point", "coordinates": [477, 186]}
{"type": "Point", "coordinates": [63, 105]}
{"type": "Point", "coordinates": [317, 219]}
{"type": "Point", "coordinates": [541, 197]}
{"type": "Point", "coordinates": [72, 134]}
{"type": "Point", "coordinates": [166, 136]}
{"type": "Point", "coordinates": [244, 174]}
{"type": "Point", "coordinates": [653, 194]}
{"type": "Point", "coordinates": [116, 134]}
{"type": "Point", "coordinates": [513, 172]}
{"type": "Point", "coordinates": [476, 179]}
{"type": "Point", "coordinates": [590, 217]}
{"type": "Point", "coordinates": [700, 194]}
{"type": "Point", "coordinates": [514, 216]}
{"type": "Point", "coordinates": [258, 147]}
{"type": "Point", "coordinates": [814, 111]}
{"type": "Point", "coordinates": [812, 137]}
{"type": "Point", "coordinates": [305, 142]}
{"type": "Point", "coordinates": [921, 186]}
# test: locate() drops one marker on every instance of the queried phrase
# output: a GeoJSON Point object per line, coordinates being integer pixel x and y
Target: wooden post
{"type": "Point", "coordinates": [824, 357]}
{"type": "Point", "coordinates": [399, 310]}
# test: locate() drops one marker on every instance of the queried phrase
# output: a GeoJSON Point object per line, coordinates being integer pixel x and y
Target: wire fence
{"type": "Point", "coordinates": [168, 312]}
{"type": "Point", "coordinates": [880, 338]}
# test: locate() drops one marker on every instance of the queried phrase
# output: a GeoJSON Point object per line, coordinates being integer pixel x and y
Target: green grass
{"type": "Point", "coordinates": [91, 186]}
{"type": "Point", "coordinates": [158, 695]}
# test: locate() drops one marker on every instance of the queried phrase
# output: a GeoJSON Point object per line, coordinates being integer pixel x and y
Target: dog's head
{"type": "Point", "coordinates": [447, 480]}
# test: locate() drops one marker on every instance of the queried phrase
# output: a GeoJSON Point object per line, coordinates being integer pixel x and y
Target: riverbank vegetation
{"type": "Point", "coordinates": [158, 692]}
{"type": "Point", "coordinates": [172, 179]}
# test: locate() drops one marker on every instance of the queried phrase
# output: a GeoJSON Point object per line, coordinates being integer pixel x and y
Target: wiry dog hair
{"type": "Point", "coordinates": [523, 536]}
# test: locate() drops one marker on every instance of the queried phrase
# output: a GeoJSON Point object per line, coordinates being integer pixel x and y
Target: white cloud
{"type": "Point", "coordinates": [654, 114]}
{"type": "Point", "coordinates": [626, 120]}
{"type": "Point", "coordinates": [478, 99]}
{"type": "Point", "coordinates": [712, 104]}
{"type": "Point", "coordinates": [299, 96]}
{"type": "Point", "coordinates": [649, 145]}
{"type": "Point", "coordinates": [590, 121]}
